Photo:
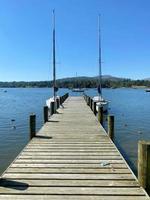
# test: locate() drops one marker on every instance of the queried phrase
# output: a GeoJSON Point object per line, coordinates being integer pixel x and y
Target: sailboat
{"type": "Point", "coordinates": [55, 89]}
{"type": "Point", "coordinates": [100, 101]}
{"type": "Point", "coordinates": [78, 89]}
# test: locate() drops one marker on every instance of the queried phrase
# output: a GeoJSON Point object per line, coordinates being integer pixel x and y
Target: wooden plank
{"type": "Point", "coordinates": [70, 197]}
{"type": "Point", "coordinates": [69, 176]}
{"type": "Point", "coordinates": [33, 161]}
{"type": "Point", "coordinates": [70, 139]}
{"type": "Point", "coordinates": [108, 146]}
{"type": "Point", "coordinates": [70, 145]}
{"type": "Point", "coordinates": [73, 190]}
{"type": "Point", "coordinates": [67, 165]}
{"type": "Point", "coordinates": [85, 153]}
{"type": "Point", "coordinates": [71, 150]}
{"type": "Point", "coordinates": [49, 141]}
{"type": "Point", "coordinates": [69, 170]}
{"type": "Point", "coordinates": [72, 157]}
{"type": "Point", "coordinates": [65, 182]}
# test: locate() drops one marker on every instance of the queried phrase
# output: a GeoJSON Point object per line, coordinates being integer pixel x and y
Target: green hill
{"type": "Point", "coordinates": [82, 82]}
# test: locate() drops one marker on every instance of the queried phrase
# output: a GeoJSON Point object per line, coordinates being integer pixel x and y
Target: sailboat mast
{"type": "Point", "coordinates": [99, 58]}
{"type": "Point", "coordinates": [54, 59]}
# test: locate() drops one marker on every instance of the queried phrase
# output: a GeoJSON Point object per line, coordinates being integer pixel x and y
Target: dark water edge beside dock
{"type": "Point", "coordinates": [129, 106]}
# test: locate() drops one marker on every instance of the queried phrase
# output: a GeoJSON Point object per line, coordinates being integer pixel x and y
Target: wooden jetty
{"type": "Point", "coordinates": [71, 158]}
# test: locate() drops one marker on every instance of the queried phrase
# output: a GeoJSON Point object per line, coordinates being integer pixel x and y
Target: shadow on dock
{"type": "Point", "coordinates": [58, 113]}
{"type": "Point", "coordinates": [44, 137]}
{"type": "Point", "coordinates": [53, 121]}
{"type": "Point", "coordinates": [7, 183]}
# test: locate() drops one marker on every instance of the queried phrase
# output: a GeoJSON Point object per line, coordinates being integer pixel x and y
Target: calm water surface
{"type": "Point", "coordinates": [131, 108]}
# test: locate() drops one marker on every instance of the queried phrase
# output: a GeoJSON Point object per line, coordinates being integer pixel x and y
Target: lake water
{"type": "Point", "coordinates": [131, 108]}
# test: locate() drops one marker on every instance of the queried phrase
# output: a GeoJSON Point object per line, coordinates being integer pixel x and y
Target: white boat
{"type": "Point", "coordinates": [147, 90]}
{"type": "Point", "coordinates": [48, 101]}
{"type": "Point", "coordinates": [55, 89]}
{"type": "Point", "coordinates": [100, 101]}
{"type": "Point", "coordinates": [77, 90]}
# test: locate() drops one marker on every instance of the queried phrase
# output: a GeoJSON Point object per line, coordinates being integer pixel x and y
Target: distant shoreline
{"type": "Point", "coordinates": [134, 87]}
{"type": "Point", "coordinates": [80, 82]}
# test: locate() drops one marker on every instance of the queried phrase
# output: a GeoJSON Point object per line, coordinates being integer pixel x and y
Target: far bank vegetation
{"type": "Point", "coordinates": [81, 82]}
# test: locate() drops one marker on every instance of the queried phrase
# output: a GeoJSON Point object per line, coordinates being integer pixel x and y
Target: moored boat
{"type": "Point", "coordinates": [55, 89]}
{"type": "Point", "coordinates": [147, 90]}
{"type": "Point", "coordinates": [100, 101]}
{"type": "Point", "coordinates": [77, 90]}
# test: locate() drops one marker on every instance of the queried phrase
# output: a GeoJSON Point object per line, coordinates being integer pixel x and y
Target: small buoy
{"type": "Point", "coordinates": [13, 127]}
{"type": "Point", "coordinates": [139, 132]}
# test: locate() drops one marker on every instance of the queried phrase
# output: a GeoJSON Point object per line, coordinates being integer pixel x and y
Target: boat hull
{"type": "Point", "coordinates": [147, 90]}
{"type": "Point", "coordinates": [101, 103]}
{"type": "Point", "coordinates": [48, 101]}
{"type": "Point", "coordinates": [78, 90]}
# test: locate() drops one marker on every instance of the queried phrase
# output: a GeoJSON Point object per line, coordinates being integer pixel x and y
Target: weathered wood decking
{"type": "Point", "coordinates": [72, 158]}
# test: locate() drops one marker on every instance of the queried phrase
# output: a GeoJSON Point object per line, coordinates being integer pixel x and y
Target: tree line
{"type": "Point", "coordinates": [77, 83]}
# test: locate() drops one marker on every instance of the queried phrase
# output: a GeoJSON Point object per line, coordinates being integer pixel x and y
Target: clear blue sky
{"type": "Point", "coordinates": [26, 38]}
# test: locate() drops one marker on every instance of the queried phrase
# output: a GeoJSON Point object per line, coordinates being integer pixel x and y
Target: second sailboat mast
{"type": "Point", "coordinates": [54, 59]}
{"type": "Point", "coordinates": [99, 58]}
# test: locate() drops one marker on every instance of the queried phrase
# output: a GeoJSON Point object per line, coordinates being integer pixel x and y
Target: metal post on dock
{"type": "Point", "coordinates": [86, 98]}
{"type": "Point", "coordinates": [144, 164]}
{"type": "Point", "coordinates": [88, 101]}
{"type": "Point", "coordinates": [94, 107]}
{"type": "Point", "coordinates": [91, 103]}
{"type": "Point", "coordinates": [32, 125]}
{"type": "Point", "coordinates": [60, 100]}
{"type": "Point", "coordinates": [45, 109]}
{"type": "Point", "coordinates": [111, 126]}
{"type": "Point", "coordinates": [63, 99]}
{"type": "Point", "coordinates": [52, 107]}
{"type": "Point", "coordinates": [57, 103]}
{"type": "Point", "coordinates": [100, 115]}
{"type": "Point", "coordinates": [55, 107]}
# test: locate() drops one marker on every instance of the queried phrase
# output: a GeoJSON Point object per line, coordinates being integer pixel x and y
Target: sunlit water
{"type": "Point", "coordinates": [131, 108]}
